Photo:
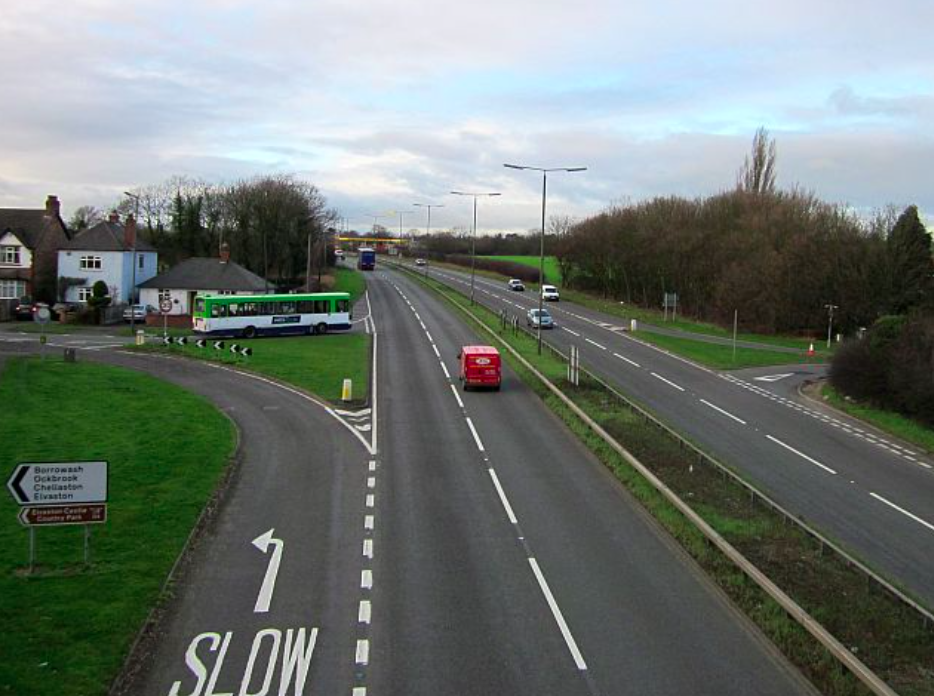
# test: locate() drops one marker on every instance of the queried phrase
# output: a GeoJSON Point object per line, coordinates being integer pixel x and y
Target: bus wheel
{"type": "Point", "coordinates": [321, 328]}
{"type": "Point", "coordinates": [249, 332]}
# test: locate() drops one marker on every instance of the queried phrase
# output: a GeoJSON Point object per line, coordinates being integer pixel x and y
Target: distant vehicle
{"type": "Point", "coordinates": [421, 262]}
{"type": "Point", "coordinates": [480, 366]}
{"type": "Point", "coordinates": [271, 315]}
{"type": "Point", "coordinates": [540, 316]}
{"type": "Point", "coordinates": [550, 293]}
{"type": "Point", "coordinates": [339, 253]}
{"type": "Point", "coordinates": [24, 308]}
{"type": "Point", "coordinates": [138, 312]}
{"type": "Point", "coordinates": [366, 259]}
{"type": "Point", "coordinates": [516, 285]}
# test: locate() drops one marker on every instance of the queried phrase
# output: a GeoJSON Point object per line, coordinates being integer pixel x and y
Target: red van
{"type": "Point", "coordinates": [480, 367]}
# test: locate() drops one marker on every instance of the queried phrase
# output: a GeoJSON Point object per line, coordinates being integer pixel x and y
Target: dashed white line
{"type": "Point", "coordinates": [371, 482]}
{"type": "Point", "coordinates": [502, 498]}
{"type": "Point", "coordinates": [476, 437]}
{"type": "Point", "coordinates": [666, 381]}
{"type": "Point", "coordinates": [457, 396]}
{"type": "Point", "coordinates": [445, 368]}
{"type": "Point", "coordinates": [903, 511]}
{"type": "Point", "coordinates": [725, 413]}
{"type": "Point", "coordinates": [559, 618]}
{"type": "Point", "coordinates": [370, 500]}
{"type": "Point", "coordinates": [365, 611]}
{"type": "Point", "coordinates": [368, 522]}
{"type": "Point", "coordinates": [801, 454]}
{"type": "Point", "coordinates": [359, 691]}
{"type": "Point", "coordinates": [366, 580]}
{"type": "Point", "coordinates": [372, 465]}
{"type": "Point", "coordinates": [570, 331]}
{"type": "Point", "coordinates": [595, 344]}
{"type": "Point", "coordinates": [368, 548]}
{"type": "Point", "coordinates": [363, 651]}
{"type": "Point", "coordinates": [435, 349]}
{"type": "Point", "coordinates": [623, 357]}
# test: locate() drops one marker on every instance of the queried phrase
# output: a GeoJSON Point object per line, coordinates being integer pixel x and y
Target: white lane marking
{"type": "Point", "coordinates": [623, 357]}
{"type": "Point", "coordinates": [371, 482]}
{"type": "Point", "coordinates": [366, 579]}
{"type": "Point", "coordinates": [502, 498]}
{"type": "Point", "coordinates": [476, 437]}
{"type": "Point", "coordinates": [666, 381]}
{"type": "Point", "coordinates": [800, 454]}
{"type": "Point", "coordinates": [595, 344]}
{"type": "Point", "coordinates": [457, 396]}
{"type": "Point", "coordinates": [372, 465]}
{"type": "Point", "coordinates": [570, 331]}
{"type": "Point", "coordinates": [262, 542]}
{"type": "Point", "coordinates": [368, 522]}
{"type": "Point", "coordinates": [365, 611]}
{"type": "Point", "coordinates": [903, 511]}
{"type": "Point", "coordinates": [725, 413]}
{"type": "Point", "coordinates": [363, 651]}
{"type": "Point", "coordinates": [373, 441]}
{"type": "Point", "coordinates": [773, 378]}
{"type": "Point", "coordinates": [556, 612]}
{"type": "Point", "coordinates": [359, 691]}
{"type": "Point", "coordinates": [370, 500]}
{"type": "Point", "coordinates": [445, 368]}
{"type": "Point", "coordinates": [435, 349]}
{"type": "Point", "coordinates": [430, 339]}
{"type": "Point", "coordinates": [368, 548]}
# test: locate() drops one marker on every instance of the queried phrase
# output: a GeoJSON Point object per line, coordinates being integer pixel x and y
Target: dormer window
{"type": "Point", "coordinates": [9, 255]}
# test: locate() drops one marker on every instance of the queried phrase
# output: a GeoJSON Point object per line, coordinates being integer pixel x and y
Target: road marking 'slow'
{"type": "Point", "coordinates": [595, 344]}
{"type": "Point", "coordinates": [666, 381]}
{"type": "Point", "coordinates": [725, 413]}
{"type": "Point", "coordinates": [623, 357]}
{"type": "Point", "coordinates": [556, 612]}
{"type": "Point", "coordinates": [476, 437]}
{"type": "Point", "coordinates": [903, 511]}
{"type": "Point", "coordinates": [502, 498]}
{"type": "Point", "coordinates": [801, 454]}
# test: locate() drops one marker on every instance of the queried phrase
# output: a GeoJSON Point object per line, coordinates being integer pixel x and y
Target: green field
{"type": "Point", "coordinates": [67, 628]}
{"type": "Point", "coordinates": [552, 270]}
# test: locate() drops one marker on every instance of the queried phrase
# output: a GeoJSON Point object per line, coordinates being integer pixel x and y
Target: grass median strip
{"type": "Point", "coordinates": [68, 627]}
{"type": "Point", "coordinates": [890, 639]}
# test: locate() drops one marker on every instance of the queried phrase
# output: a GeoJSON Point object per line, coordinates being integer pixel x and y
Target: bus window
{"type": "Point", "coordinates": [199, 305]}
{"type": "Point", "coordinates": [233, 310]}
{"type": "Point", "coordinates": [343, 306]}
{"type": "Point", "coordinates": [306, 306]}
{"type": "Point", "coordinates": [286, 307]}
{"type": "Point", "coordinates": [218, 311]}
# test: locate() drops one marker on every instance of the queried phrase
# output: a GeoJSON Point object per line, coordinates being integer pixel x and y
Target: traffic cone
{"type": "Point", "coordinates": [810, 350]}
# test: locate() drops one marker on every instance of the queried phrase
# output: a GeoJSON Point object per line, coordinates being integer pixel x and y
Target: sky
{"type": "Point", "coordinates": [384, 103]}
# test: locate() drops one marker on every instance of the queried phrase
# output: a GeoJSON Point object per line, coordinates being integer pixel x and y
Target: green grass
{"type": "Point", "coordinates": [67, 629]}
{"type": "Point", "coordinates": [888, 421]}
{"type": "Point", "coordinates": [318, 364]}
{"type": "Point", "coordinates": [552, 269]}
{"type": "Point", "coordinates": [349, 280]}
{"type": "Point", "coordinates": [720, 357]}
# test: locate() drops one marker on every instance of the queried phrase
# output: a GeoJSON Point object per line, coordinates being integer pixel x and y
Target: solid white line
{"type": "Point", "coordinates": [903, 511]}
{"type": "Point", "coordinates": [368, 548]}
{"type": "Point", "coordinates": [623, 357]}
{"type": "Point", "coordinates": [457, 396]}
{"type": "Point", "coordinates": [363, 651]}
{"type": "Point", "coordinates": [669, 382]}
{"type": "Point", "coordinates": [370, 500]}
{"type": "Point", "coordinates": [373, 441]}
{"type": "Point", "coordinates": [430, 339]}
{"type": "Point", "coordinates": [368, 522]}
{"type": "Point", "coordinates": [366, 580]}
{"type": "Point", "coordinates": [725, 413]}
{"type": "Point", "coordinates": [556, 612]}
{"type": "Point", "coordinates": [595, 343]}
{"type": "Point", "coordinates": [502, 498]}
{"type": "Point", "coordinates": [365, 611]}
{"type": "Point", "coordinates": [570, 331]}
{"type": "Point", "coordinates": [800, 454]}
{"type": "Point", "coordinates": [476, 437]}
{"type": "Point", "coordinates": [435, 349]}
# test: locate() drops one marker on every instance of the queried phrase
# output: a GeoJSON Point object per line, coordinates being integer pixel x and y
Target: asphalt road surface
{"type": "Point", "coordinates": [507, 560]}
{"type": "Point", "coordinates": [861, 487]}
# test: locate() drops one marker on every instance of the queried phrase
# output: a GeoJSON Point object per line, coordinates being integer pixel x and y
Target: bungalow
{"type": "Point", "coordinates": [219, 276]}
{"type": "Point", "coordinates": [29, 241]}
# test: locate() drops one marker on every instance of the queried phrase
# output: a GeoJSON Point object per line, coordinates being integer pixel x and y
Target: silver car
{"type": "Point", "coordinates": [540, 316]}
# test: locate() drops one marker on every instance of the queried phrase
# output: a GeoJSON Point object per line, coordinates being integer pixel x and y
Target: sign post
{"type": "Point", "coordinates": [41, 316]}
{"type": "Point", "coordinates": [165, 306]}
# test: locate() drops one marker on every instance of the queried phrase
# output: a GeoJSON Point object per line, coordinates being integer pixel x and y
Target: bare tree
{"type": "Point", "coordinates": [757, 175]}
{"type": "Point", "coordinates": [85, 216]}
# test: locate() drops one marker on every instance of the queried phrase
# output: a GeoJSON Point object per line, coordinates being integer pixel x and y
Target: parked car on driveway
{"type": "Point", "coordinates": [138, 312]}
{"type": "Point", "coordinates": [549, 293]}
{"type": "Point", "coordinates": [516, 285]}
{"type": "Point", "coordinates": [540, 316]}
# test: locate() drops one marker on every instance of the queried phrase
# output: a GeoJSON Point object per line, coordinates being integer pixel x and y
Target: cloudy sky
{"type": "Point", "coordinates": [382, 103]}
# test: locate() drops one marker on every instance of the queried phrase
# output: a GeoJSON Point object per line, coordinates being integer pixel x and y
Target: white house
{"type": "Point", "coordinates": [199, 275]}
{"type": "Point", "coordinates": [110, 252]}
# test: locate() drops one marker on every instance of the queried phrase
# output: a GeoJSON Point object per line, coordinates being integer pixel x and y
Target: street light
{"type": "Point", "coordinates": [830, 308]}
{"type": "Point", "coordinates": [541, 263]}
{"type": "Point", "coordinates": [429, 206]}
{"type": "Point", "coordinates": [135, 197]}
{"type": "Point", "coordinates": [473, 238]}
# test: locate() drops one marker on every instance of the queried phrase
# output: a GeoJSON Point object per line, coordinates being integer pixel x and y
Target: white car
{"type": "Point", "coordinates": [421, 262]}
{"type": "Point", "coordinates": [550, 293]}
{"type": "Point", "coordinates": [516, 285]}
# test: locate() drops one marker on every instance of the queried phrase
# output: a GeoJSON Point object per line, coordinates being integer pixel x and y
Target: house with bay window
{"type": "Point", "coordinates": [108, 251]}
{"type": "Point", "coordinates": [29, 242]}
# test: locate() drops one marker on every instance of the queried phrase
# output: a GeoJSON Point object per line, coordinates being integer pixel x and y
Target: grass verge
{"type": "Point", "coordinates": [721, 357]}
{"type": "Point", "coordinates": [167, 449]}
{"type": "Point", "coordinates": [890, 639]}
{"type": "Point", "coordinates": [317, 364]}
{"type": "Point", "coordinates": [552, 269]}
{"type": "Point", "coordinates": [349, 280]}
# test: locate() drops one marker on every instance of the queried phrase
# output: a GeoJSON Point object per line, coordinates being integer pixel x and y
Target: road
{"type": "Point", "coordinates": [860, 487]}
{"type": "Point", "coordinates": [507, 560]}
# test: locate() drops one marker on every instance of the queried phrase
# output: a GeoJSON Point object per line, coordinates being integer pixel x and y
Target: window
{"type": "Point", "coordinates": [343, 306]}
{"type": "Point", "coordinates": [91, 263]}
{"type": "Point", "coordinates": [286, 308]}
{"type": "Point", "coordinates": [12, 289]}
{"type": "Point", "coordinates": [84, 294]}
{"type": "Point", "coordinates": [9, 255]}
{"type": "Point", "coordinates": [306, 306]}
{"type": "Point", "coordinates": [248, 309]}
{"type": "Point", "coordinates": [142, 262]}
{"type": "Point", "coordinates": [218, 311]}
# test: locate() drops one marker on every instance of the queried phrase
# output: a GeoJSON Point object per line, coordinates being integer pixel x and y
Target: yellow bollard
{"type": "Point", "coordinates": [140, 337]}
{"type": "Point", "coordinates": [633, 325]}
{"type": "Point", "coordinates": [347, 391]}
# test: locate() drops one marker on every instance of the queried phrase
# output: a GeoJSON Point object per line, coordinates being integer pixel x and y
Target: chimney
{"type": "Point", "coordinates": [225, 252]}
{"type": "Point", "coordinates": [114, 217]}
{"type": "Point", "coordinates": [129, 232]}
{"type": "Point", "coordinates": [52, 206]}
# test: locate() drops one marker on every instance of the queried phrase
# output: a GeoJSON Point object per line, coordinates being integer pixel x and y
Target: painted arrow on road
{"type": "Point", "coordinates": [269, 582]}
{"type": "Point", "coordinates": [773, 378]}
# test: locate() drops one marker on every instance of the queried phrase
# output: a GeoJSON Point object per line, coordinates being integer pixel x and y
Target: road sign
{"type": "Point", "coordinates": [218, 345]}
{"type": "Point", "coordinates": [167, 340]}
{"type": "Point", "coordinates": [165, 305]}
{"type": "Point", "coordinates": [42, 315]}
{"type": "Point", "coordinates": [57, 515]}
{"type": "Point", "coordinates": [234, 348]}
{"type": "Point", "coordinates": [246, 351]}
{"type": "Point", "coordinates": [181, 340]}
{"type": "Point", "coordinates": [200, 343]}
{"type": "Point", "coordinates": [59, 483]}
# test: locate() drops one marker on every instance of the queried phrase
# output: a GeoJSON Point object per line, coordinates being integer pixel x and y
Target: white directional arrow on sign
{"type": "Point", "coordinates": [773, 378]}
{"type": "Point", "coordinates": [269, 582]}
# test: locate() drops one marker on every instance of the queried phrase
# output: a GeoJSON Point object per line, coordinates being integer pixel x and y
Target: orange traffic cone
{"type": "Point", "coordinates": [810, 350]}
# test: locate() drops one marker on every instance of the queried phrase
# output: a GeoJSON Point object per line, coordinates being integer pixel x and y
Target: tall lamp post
{"type": "Point", "coordinates": [830, 308]}
{"type": "Point", "coordinates": [135, 198]}
{"type": "Point", "coordinates": [541, 262]}
{"type": "Point", "coordinates": [473, 237]}
{"type": "Point", "coordinates": [429, 206]}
